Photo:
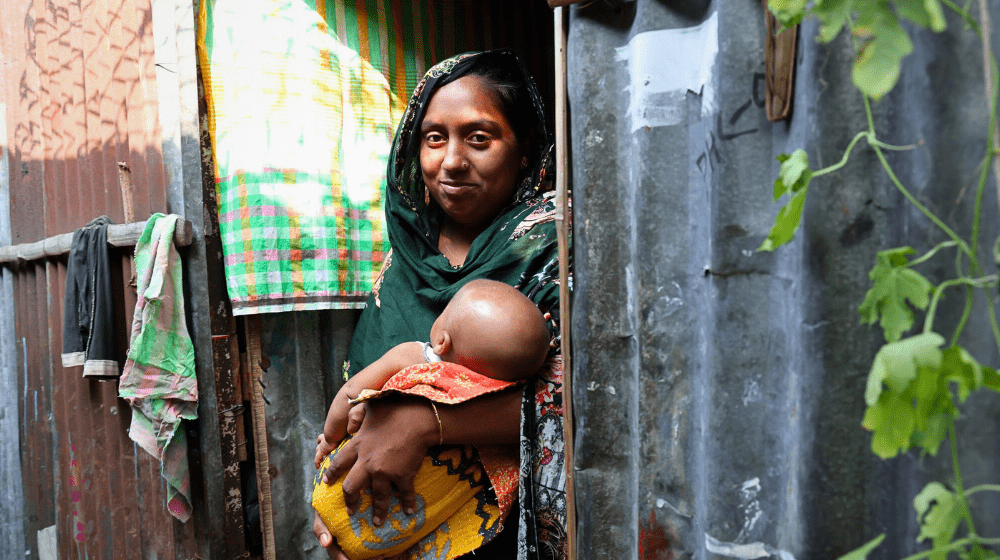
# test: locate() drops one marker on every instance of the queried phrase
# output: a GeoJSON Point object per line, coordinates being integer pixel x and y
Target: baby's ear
{"type": "Point", "coordinates": [441, 343]}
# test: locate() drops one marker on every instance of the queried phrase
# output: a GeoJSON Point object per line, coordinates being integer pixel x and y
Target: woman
{"type": "Point", "coordinates": [467, 198]}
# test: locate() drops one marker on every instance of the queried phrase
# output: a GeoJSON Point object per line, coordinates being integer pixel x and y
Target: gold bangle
{"type": "Point", "coordinates": [440, 426]}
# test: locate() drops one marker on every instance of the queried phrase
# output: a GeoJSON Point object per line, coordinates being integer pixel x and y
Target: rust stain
{"type": "Point", "coordinates": [76, 106]}
{"type": "Point", "coordinates": [654, 542]}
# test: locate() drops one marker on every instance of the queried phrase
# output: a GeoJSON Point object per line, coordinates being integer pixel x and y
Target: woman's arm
{"type": "Point", "coordinates": [388, 449]}
{"type": "Point", "coordinates": [491, 419]}
{"type": "Point", "coordinates": [372, 377]}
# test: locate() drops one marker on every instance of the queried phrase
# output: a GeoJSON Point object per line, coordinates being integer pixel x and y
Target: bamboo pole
{"type": "Point", "coordinates": [563, 221]}
{"type": "Point", "coordinates": [262, 460]}
{"type": "Point", "coordinates": [125, 184]}
{"type": "Point", "coordinates": [119, 235]}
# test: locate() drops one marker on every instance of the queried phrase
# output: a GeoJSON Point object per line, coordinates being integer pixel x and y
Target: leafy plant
{"type": "Point", "coordinates": [914, 382]}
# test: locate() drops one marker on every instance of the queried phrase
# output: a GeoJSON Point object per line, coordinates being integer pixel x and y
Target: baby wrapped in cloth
{"type": "Point", "coordinates": [488, 338]}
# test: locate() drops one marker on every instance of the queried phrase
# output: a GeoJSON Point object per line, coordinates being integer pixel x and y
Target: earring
{"type": "Point", "coordinates": [524, 162]}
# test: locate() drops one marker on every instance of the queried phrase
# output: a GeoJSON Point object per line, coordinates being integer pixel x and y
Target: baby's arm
{"type": "Point", "coordinates": [372, 377]}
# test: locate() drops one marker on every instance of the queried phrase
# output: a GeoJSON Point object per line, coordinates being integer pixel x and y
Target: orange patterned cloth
{"type": "Point", "coordinates": [448, 383]}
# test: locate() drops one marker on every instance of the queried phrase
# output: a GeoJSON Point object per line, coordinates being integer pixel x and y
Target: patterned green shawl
{"type": "Point", "coordinates": [418, 281]}
{"type": "Point", "coordinates": [518, 248]}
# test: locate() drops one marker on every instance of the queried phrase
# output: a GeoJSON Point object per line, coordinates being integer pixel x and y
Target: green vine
{"type": "Point", "coordinates": [916, 383]}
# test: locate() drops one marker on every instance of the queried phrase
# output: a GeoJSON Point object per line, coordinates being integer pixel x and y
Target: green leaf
{"type": "Point", "coordinates": [793, 180]}
{"type": "Point", "coordinates": [794, 174]}
{"type": "Point", "coordinates": [960, 368]}
{"type": "Point", "coordinates": [896, 363]}
{"type": "Point", "coordinates": [786, 223]}
{"type": "Point", "coordinates": [891, 421]}
{"type": "Point", "coordinates": [788, 12]}
{"type": "Point", "coordinates": [991, 379]}
{"type": "Point", "coordinates": [910, 403]}
{"type": "Point", "coordinates": [925, 13]}
{"type": "Point", "coordinates": [833, 15]}
{"type": "Point", "coordinates": [930, 437]}
{"type": "Point", "coordinates": [938, 512]}
{"type": "Point", "coordinates": [903, 373]}
{"type": "Point", "coordinates": [883, 44]}
{"type": "Point", "coordinates": [862, 552]}
{"type": "Point", "coordinates": [892, 284]}
{"type": "Point", "coordinates": [933, 7]}
{"type": "Point", "coordinates": [929, 392]}
{"type": "Point", "coordinates": [978, 553]}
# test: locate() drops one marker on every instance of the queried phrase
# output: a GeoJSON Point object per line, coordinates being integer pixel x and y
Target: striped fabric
{"type": "Point", "coordinates": [303, 100]}
{"type": "Point", "coordinates": [159, 376]}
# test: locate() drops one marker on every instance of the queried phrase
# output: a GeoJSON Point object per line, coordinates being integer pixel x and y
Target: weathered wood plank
{"type": "Point", "coordinates": [119, 235]}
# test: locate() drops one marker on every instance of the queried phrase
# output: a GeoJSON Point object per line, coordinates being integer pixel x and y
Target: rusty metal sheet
{"type": "Point", "coordinates": [113, 132]}
{"type": "Point", "coordinates": [80, 92]}
{"type": "Point", "coordinates": [11, 491]}
{"type": "Point", "coordinates": [46, 39]}
{"type": "Point", "coordinates": [23, 100]}
{"type": "Point", "coordinates": [35, 388]}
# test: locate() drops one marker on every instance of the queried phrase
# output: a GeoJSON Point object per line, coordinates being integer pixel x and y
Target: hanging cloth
{"type": "Point", "coordinates": [159, 378]}
{"type": "Point", "coordinates": [89, 337]}
{"type": "Point", "coordinates": [300, 126]}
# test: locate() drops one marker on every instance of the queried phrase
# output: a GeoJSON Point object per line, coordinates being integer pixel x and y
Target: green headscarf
{"type": "Point", "coordinates": [518, 248]}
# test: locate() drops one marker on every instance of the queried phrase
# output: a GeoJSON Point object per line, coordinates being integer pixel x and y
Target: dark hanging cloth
{"type": "Point", "coordinates": [89, 337]}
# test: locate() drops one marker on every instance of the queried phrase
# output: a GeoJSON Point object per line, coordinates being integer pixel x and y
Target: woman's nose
{"type": "Point", "coordinates": [454, 158]}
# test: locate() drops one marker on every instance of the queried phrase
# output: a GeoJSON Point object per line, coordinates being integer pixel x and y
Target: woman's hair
{"type": "Point", "coordinates": [506, 83]}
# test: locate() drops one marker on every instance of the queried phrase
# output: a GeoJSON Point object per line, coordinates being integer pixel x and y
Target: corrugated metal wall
{"type": "Point", "coordinates": [11, 494]}
{"type": "Point", "coordinates": [719, 391]}
{"type": "Point", "coordinates": [86, 85]}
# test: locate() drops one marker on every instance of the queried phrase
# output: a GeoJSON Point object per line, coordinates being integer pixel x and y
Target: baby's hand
{"type": "Point", "coordinates": [323, 448]}
{"type": "Point", "coordinates": [354, 419]}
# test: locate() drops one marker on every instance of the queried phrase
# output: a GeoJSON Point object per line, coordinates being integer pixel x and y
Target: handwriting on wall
{"type": "Point", "coordinates": [731, 128]}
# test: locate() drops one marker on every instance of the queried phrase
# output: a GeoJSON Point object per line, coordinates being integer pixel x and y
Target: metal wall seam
{"type": "Point", "coordinates": [11, 491]}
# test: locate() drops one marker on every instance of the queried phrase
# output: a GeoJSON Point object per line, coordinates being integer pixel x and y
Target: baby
{"type": "Point", "coordinates": [488, 337]}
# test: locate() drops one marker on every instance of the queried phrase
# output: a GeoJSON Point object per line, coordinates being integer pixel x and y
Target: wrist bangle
{"type": "Point", "coordinates": [440, 426]}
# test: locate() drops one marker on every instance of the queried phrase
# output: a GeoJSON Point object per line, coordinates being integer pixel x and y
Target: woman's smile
{"type": "Point", "coordinates": [456, 187]}
{"type": "Point", "coordinates": [469, 154]}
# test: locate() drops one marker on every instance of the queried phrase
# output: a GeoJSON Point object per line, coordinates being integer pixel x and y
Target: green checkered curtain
{"type": "Point", "coordinates": [303, 100]}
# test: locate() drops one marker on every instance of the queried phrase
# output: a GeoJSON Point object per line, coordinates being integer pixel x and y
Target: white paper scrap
{"type": "Point", "coordinates": [664, 65]}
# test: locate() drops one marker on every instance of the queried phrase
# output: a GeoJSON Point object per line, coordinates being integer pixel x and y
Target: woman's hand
{"type": "Point", "coordinates": [386, 453]}
{"type": "Point", "coordinates": [326, 539]}
{"type": "Point", "coordinates": [345, 457]}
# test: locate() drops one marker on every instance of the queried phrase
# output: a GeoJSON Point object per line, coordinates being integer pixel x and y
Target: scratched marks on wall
{"type": "Point", "coordinates": [733, 127]}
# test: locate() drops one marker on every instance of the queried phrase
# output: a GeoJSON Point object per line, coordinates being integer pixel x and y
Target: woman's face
{"type": "Point", "coordinates": [469, 155]}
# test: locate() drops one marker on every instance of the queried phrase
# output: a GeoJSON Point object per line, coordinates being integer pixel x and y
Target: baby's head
{"type": "Point", "coordinates": [492, 329]}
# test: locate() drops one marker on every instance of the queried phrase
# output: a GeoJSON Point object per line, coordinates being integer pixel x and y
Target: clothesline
{"type": "Point", "coordinates": [119, 235]}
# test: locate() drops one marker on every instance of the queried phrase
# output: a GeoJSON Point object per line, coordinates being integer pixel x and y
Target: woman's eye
{"type": "Point", "coordinates": [433, 138]}
{"type": "Point", "coordinates": [479, 139]}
